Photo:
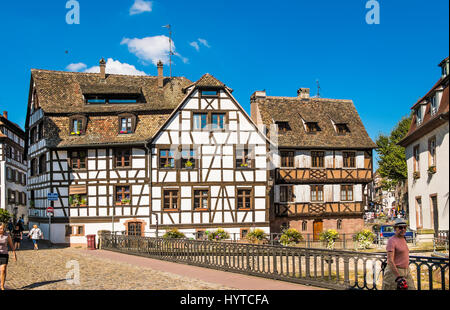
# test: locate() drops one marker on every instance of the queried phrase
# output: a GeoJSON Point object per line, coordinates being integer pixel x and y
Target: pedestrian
{"type": "Point", "coordinates": [17, 235]}
{"type": "Point", "coordinates": [10, 226]}
{"type": "Point", "coordinates": [35, 234]}
{"type": "Point", "coordinates": [5, 240]}
{"type": "Point", "coordinates": [397, 272]}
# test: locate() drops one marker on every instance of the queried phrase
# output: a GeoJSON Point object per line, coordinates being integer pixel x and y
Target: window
{"type": "Point", "coordinates": [416, 157]}
{"type": "Point", "coordinates": [24, 199]}
{"type": "Point", "coordinates": [40, 130]}
{"type": "Point", "coordinates": [200, 120]}
{"type": "Point", "coordinates": [201, 199]}
{"type": "Point", "coordinates": [312, 127]}
{"type": "Point", "coordinates": [166, 158]}
{"type": "Point", "coordinates": [114, 99]}
{"type": "Point", "coordinates": [8, 151]}
{"type": "Point", "coordinates": [342, 128]}
{"type": "Point", "coordinates": [217, 120]}
{"type": "Point", "coordinates": [76, 230]}
{"type": "Point", "coordinates": [244, 199]}
{"type": "Point", "coordinates": [349, 159]}
{"type": "Point", "coordinates": [316, 192]}
{"type": "Point", "coordinates": [122, 158]}
{"type": "Point", "coordinates": [134, 228]}
{"type": "Point", "coordinates": [78, 200]}
{"type": "Point", "coordinates": [433, 105]}
{"type": "Point", "coordinates": [188, 159]}
{"type": "Point", "coordinates": [283, 126]}
{"type": "Point", "coordinates": [304, 226]}
{"type": "Point", "coordinates": [244, 232]}
{"type": "Point", "coordinates": [126, 125]}
{"type": "Point", "coordinates": [339, 224]}
{"type": "Point", "coordinates": [432, 152]}
{"type": "Point", "coordinates": [33, 137]}
{"type": "Point", "coordinates": [419, 213]}
{"type": "Point", "coordinates": [11, 196]}
{"type": "Point", "coordinates": [33, 167]}
{"type": "Point", "coordinates": [171, 199]}
{"type": "Point", "coordinates": [42, 164]}
{"type": "Point", "coordinates": [419, 115]}
{"type": "Point", "coordinates": [209, 93]}
{"type": "Point", "coordinates": [243, 158]}
{"type": "Point", "coordinates": [287, 158]}
{"type": "Point", "coordinates": [78, 159]}
{"type": "Point", "coordinates": [346, 192]}
{"type": "Point", "coordinates": [123, 196]}
{"type": "Point", "coordinates": [286, 193]}
{"type": "Point", "coordinates": [9, 173]}
{"type": "Point", "coordinates": [76, 126]}
{"type": "Point", "coordinates": [317, 159]}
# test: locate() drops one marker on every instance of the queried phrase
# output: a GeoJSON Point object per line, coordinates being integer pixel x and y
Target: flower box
{"type": "Point", "coordinates": [432, 169]}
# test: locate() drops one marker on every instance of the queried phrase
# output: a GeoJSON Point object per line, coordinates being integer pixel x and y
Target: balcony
{"type": "Point", "coordinates": [323, 175]}
{"type": "Point", "coordinates": [308, 209]}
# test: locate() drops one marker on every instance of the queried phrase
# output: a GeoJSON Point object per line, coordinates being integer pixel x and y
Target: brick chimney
{"type": "Point", "coordinates": [303, 93]}
{"type": "Point", "coordinates": [103, 68]}
{"type": "Point", "coordinates": [160, 74]}
{"type": "Point", "coordinates": [5, 114]}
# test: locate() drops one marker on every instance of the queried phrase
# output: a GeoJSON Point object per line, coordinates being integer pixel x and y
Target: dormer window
{"type": "Point", "coordinates": [418, 116]}
{"type": "Point", "coordinates": [77, 125]}
{"type": "Point", "coordinates": [312, 127]}
{"type": "Point", "coordinates": [433, 105]}
{"type": "Point", "coordinates": [209, 93]}
{"type": "Point", "coordinates": [283, 126]}
{"type": "Point", "coordinates": [113, 98]}
{"type": "Point", "coordinates": [127, 123]}
{"type": "Point", "coordinates": [342, 129]}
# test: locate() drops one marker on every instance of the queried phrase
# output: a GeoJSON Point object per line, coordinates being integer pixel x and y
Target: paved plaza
{"type": "Point", "coordinates": [48, 269]}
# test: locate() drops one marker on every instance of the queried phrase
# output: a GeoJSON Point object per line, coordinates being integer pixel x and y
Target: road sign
{"type": "Point", "coordinates": [52, 196]}
{"type": "Point", "coordinates": [50, 211]}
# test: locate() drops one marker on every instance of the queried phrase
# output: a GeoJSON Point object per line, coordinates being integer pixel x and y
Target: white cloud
{"type": "Point", "coordinates": [204, 42]}
{"type": "Point", "coordinates": [195, 45]}
{"type": "Point", "coordinates": [76, 66]}
{"type": "Point", "coordinates": [116, 67]}
{"type": "Point", "coordinates": [140, 6]}
{"type": "Point", "coordinates": [152, 49]}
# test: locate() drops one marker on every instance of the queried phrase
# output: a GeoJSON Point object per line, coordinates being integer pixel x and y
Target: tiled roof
{"type": "Point", "coordinates": [208, 80]}
{"type": "Point", "coordinates": [62, 92]}
{"type": "Point", "coordinates": [60, 95]}
{"type": "Point", "coordinates": [321, 110]}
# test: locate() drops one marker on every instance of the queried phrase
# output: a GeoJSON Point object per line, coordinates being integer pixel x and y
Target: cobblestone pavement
{"type": "Point", "coordinates": [45, 269]}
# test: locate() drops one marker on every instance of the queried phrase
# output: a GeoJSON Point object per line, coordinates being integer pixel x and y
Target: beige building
{"type": "Point", "coordinates": [427, 155]}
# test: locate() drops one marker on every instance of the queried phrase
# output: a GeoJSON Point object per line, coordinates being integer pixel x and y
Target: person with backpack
{"type": "Point", "coordinates": [35, 234]}
{"type": "Point", "coordinates": [5, 240]}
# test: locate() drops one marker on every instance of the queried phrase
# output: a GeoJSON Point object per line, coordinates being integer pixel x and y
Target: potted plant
{"type": "Point", "coordinates": [83, 202]}
{"type": "Point", "coordinates": [432, 169]}
{"type": "Point", "coordinates": [364, 239]}
{"type": "Point", "coordinates": [188, 164]}
{"type": "Point", "coordinates": [125, 201]}
{"type": "Point", "coordinates": [218, 235]}
{"type": "Point", "coordinates": [330, 236]}
{"type": "Point", "coordinates": [290, 236]}
{"type": "Point", "coordinates": [32, 204]}
{"type": "Point", "coordinates": [173, 234]}
{"type": "Point", "coordinates": [416, 174]}
{"type": "Point", "coordinates": [256, 236]}
{"type": "Point", "coordinates": [244, 165]}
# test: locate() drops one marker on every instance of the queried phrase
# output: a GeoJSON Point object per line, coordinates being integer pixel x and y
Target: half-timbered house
{"type": "Point", "coordinates": [323, 161]}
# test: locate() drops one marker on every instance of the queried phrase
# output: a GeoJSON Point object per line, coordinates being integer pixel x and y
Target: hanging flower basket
{"type": "Point", "coordinates": [432, 169]}
{"type": "Point", "coordinates": [416, 174]}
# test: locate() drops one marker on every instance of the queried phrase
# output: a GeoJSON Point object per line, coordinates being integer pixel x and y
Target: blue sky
{"type": "Point", "coordinates": [278, 46]}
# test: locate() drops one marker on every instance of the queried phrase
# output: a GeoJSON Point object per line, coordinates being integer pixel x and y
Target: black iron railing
{"type": "Point", "coordinates": [334, 269]}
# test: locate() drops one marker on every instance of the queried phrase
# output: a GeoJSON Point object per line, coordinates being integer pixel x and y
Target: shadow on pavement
{"type": "Point", "coordinates": [27, 244]}
{"type": "Point", "coordinates": [37, 284]}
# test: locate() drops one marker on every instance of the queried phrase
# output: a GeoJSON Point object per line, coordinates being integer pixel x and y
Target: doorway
{"type": "Point", "coordinates": [317, 229]}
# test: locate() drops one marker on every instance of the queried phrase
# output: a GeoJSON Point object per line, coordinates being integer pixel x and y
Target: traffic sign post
{"type": "Point", "coordinates": [50, 211]}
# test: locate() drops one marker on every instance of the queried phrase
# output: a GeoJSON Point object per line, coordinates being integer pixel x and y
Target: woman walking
{"type": "Point", "coordinates": [5, 240]}
{"type": "Point", "coordinates": [17, 236]}
{"type": "Point", "coordinates": [35, 234]}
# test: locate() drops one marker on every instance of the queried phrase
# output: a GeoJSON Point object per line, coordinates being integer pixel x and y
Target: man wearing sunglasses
{"type": "Point", "coordinates": [397, 275]}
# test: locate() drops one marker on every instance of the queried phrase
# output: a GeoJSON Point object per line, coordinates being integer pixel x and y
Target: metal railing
{"type": "Point", "coordinates": [334, 269]}
{"type": "Point", "coordinates": [440, 242]}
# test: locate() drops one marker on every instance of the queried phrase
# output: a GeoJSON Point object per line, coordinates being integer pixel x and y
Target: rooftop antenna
{"type": "Point", "coordinates": [318, 88]}
{"type": "Point", "coordinates": [170, 48]}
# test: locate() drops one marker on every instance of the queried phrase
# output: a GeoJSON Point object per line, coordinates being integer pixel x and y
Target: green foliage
{"type": "Point", "coordinates": [291, 236]}
{"type": "Point", "coordinates": [217, 235]}
{"type": "Point", "coordinates": [330, 236]}
{"type": "Point", "coordinates": [364, 238]}
{"type": "Point", "coordinates": [256, 235]}
{"type": "Point", "coordinates": [5, 216]}
{"type": "Point", "coordinates": [173, 234]}
{"type": "Point", "coordinates": [392, 158]}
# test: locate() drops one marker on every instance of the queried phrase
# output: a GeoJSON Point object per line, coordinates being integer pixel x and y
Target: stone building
{"type": "Point", "coordinates": [322, 161]}
{"type": "Point", "coordinates": [427, 155]}
{"type": "Point", "coordinates": [13, 169]}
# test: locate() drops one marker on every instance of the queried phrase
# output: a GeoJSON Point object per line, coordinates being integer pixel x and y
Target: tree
{"type": "Point", "coordinates": [5, 216]}
{"type": "Point", "coordinates": [392, 158]}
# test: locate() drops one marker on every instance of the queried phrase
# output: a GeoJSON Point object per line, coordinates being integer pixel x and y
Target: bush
{"type": "Point", "coordinates": [174, 234]}
{"type": "Point", "coordinates": [330, 236]}
{"type": "Point", "coordinates": [256, 236]}
{"type": "Point", "coordinates": [364, 238]}
{"type": "Point", "coordinates": [291, 236]}
{"type": "Point", "coordinates": [5, 216]}
{"type": "Point", "coordinates": [217, 235]}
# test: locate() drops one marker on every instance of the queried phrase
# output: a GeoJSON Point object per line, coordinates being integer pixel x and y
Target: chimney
{"type": "Point", "coordinates": [303, 93]}
{"type": "Point", "coordinates": [5, 114]}
{"type": "Point", "coordinates": [160, 74]}
{"type": "Point", "coordinates": [103, 68]}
